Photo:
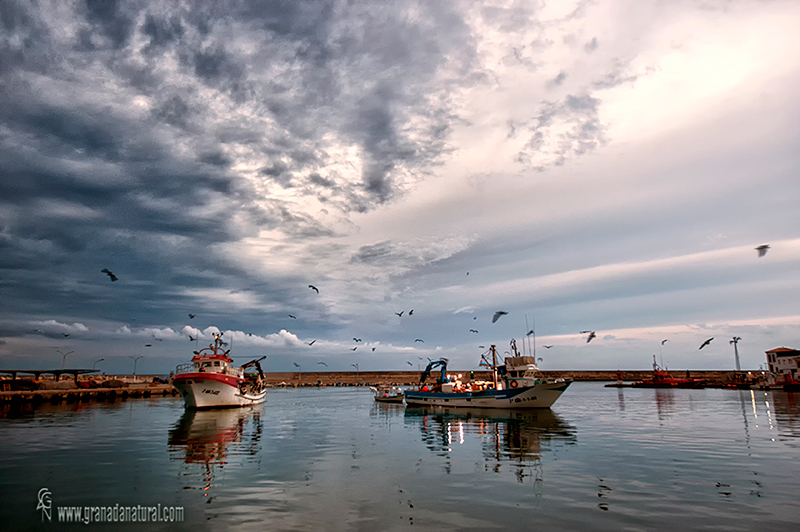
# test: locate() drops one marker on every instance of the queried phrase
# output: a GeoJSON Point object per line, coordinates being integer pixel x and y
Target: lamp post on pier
{"type": "Point", "coordinates": [94, 366]}
{"type": "Point", "coordinates": [64, 357]}
{"type": "Point", "coordinates": [135, 360]}
{"type": "Point", "coordinates": [735, 342]}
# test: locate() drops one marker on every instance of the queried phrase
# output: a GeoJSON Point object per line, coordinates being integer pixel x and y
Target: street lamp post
{"type": "Point", "coordinates": [735, 342]}
{"type": "Point", "coordinates": [135, 360]}
{"type": "Point", "coordinates": [94, 366]}
{"type": "Point", "coordinates": [64, 357]}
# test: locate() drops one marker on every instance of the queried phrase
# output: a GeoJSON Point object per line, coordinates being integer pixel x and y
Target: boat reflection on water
{"type": "Point", "coordinates": [515, 436]}
{"type": "Point", "coordinates": [216, 438]}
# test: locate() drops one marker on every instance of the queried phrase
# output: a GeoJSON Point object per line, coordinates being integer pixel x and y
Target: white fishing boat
{"type": "Point", "coordinates": [209, 380]}
{"type": "Point", "coordinates": [516, 384]}
{"type": "Point", "coordinates": [388, 394]}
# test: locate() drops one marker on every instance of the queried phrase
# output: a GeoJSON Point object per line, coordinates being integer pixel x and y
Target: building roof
{"type": "Point", "coordinates": [784, 351]}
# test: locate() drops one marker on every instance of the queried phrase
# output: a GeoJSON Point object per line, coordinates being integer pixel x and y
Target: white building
{"type": "Point", "coordinates": [784, 360]}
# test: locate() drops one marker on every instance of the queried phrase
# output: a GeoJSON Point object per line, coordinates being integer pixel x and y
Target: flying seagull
{"type": "Point", "coordinates": [312, 341]}
{"type": "Point", "coordinates": [356, 347]}
{"type": "Point", "coordinates": [323, 363]}
{"type": "Point", "coordinates": [473, 330]}
{"type": "Point", "coordinates": [191, 316]}
{"type": "Point", "coordinates": [706, 342]}
{"type": "Point", "coordinates": [115, 278]}
{"type": "Point", "coordinates": [530, 333]}
{"type": "Point", "coordinates": [420, 340]}
{"type": "Point", "coordinates": [410, 312]}
{"type": "Point", "coordinates": [591, 336]}
{"type": "Point", "coordinates": [65, 334]}
{"type": "Point", "coordinates": [762, 250]}
{"type": "Point", "coordinates": [547, 346]}
{"type": "Point", "coordinates": [314, 288]}
{"type": "Point", "coordinates": [498, 314]}
{"type": "Point", "coordinates": [373, 349]}
{"type": "Point", "coordinates": [664, 341]}
{"type": "Point", "coordinates": [400, 313]}
{"type": "Point", "coordinates": [356, 339]}
{"type": "Point", "coordinates": [148, 345]}
{"type": "Point", "coordinates": [409, 363]}
{"type": "Point", "coordinates": [293, 317]}
{"type": "Point", "coordinates": [192, 338]}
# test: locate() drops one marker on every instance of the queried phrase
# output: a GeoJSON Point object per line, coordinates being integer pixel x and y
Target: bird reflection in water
{"type": "Point", "coordinates": [514, 436]}
{"type": "Point", "coordinates": [215, 438]}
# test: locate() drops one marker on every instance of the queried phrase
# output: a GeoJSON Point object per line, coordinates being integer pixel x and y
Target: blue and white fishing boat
{"type": "Point", "coordinates": [516, 384]}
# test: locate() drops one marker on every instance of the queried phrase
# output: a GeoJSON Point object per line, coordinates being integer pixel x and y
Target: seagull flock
{"type": "Point", "coordinates": [761, 250]}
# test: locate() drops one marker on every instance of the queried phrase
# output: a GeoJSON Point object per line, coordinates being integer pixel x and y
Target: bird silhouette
{"type": "Point", "coordinates": [420, 340]}
{"type": "Point", "coordinates": [529, 333]}
{"type": "Point", "coordinates": [664, 341]}
{"type": "Point", "coordinates": [409, 363]}
{"type": "Point", "coordinates": [323, 363]}
{"type": "Point", "coordinates": [762, 250]}
{"type": "Point", "coordinates": [706, 342]}
{"type": "Point", "coordinates": [356, 347]}
{"type": "Point", "coordinates": [314, 288]}
{"type": "Point", "coordinates": [498, 315]}
{"type": "Point", "coordinates": [115, 278]}
{"type": "Point", "coordinates": [148, 345]}
{"type": "Point", "coordinates": [356, 339]}
{"type": "Point", "coordinates": [312, 341]}
{"type": "Point", "coordinates": [65, 334]}
{"type": "Point", "coordinates": [293, 317]}
{"type": "Point", "coordinates": [191, 316]}
{"type": "Point", "coordinates": [296, 364]}
{"type": "Point", "coordinates": [547, 346]}
{"type": "Point", "coordinates": [473, 330]}
{"type": "Point", "coordinates": [400, 314]}
{"type": "Point", "coordinates": [373, 349]}
{"type": "Point", "coordinates": [591, 336]}
{"type": "Point", "coordinates": [192, 338]}
{"type": "Point", "coordinates": [410, 312]}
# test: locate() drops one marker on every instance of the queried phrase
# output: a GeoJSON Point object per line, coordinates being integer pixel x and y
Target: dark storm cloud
{"type": "Point", "coordinates": [110, 19]}
{"type": "Point", "coordinates": [123, 127]}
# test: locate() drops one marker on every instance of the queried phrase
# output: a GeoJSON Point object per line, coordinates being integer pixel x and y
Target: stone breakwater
{"type": "Point", "coordinates": [128, 387]}
{"type": "Point", "coordinates": [410, 378]}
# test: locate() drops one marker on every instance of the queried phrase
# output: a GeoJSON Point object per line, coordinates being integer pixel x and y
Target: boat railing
{"type": "Point", "coordinates": [184, 368]}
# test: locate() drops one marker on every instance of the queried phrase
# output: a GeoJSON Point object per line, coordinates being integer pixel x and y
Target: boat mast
{"type": "Point", "coordinates": [494, 365]}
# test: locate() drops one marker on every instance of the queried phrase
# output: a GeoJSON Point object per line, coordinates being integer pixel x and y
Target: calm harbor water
{"type": "Point", "coordinates": [333, 459]}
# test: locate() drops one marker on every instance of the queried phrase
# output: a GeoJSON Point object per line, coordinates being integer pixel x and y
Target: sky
{"type": "Point", "coordinates": [582, 166]}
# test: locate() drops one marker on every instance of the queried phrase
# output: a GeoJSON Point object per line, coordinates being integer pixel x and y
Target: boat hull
{"type": "Point", "coordinates": [389, 399]}
{"type": "Point", "coordinates": [539, 396]}
{"type": "Point", "coordinates": [209, 390]}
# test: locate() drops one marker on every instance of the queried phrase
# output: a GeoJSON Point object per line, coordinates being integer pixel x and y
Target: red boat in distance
{"type": "Point", "coordinates": [661, 379]}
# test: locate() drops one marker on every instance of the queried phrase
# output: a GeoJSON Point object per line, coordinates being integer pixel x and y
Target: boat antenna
{"type": "Point", "coordinates": [533, 332]}
{"type": "Point", "coordinates": [526, 336]}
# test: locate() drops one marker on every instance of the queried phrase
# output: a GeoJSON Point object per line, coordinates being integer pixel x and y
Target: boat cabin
{"type": "Point", "coordinates": [211, 363]}
{"type": "Point", "coordinates": [521, 370]}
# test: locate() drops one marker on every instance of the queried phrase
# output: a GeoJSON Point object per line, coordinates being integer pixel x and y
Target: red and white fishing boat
{"type": "Point", "coordinates": [210, 381]}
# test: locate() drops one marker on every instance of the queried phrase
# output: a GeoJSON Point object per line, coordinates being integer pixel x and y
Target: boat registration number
{"type": "Point", "coordinates": [518, 400]}
{"type": "Point", "coordinates": [212, 392]}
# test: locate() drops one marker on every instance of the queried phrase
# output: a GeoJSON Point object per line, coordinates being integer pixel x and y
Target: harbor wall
{"type": "Point", "coordinates": [407, 378]}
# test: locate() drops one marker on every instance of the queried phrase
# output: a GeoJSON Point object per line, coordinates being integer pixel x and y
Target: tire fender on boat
{"type": "Point", "coordinates": [514, 384]}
